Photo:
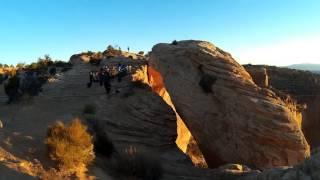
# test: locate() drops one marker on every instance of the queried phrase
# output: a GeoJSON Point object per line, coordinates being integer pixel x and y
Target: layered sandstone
{"type": "Point", "coordinates": [302, 86]}
{"type": "Point", "coordinates": [231, 118]}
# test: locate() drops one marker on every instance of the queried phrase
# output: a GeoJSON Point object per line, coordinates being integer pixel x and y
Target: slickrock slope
{"type": "Point", "coordinates": [230, 117]}
{"type": "Point", "coordinates": [303, 86]}
{"type": "Point", "coordinates": [134, 117]}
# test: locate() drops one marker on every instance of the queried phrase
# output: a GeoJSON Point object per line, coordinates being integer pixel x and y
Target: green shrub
{"type": "Point", "coordinates": [70, 146]}
{"type": "Point", "coordinates": [62, 64]}
{"type": "Point", "coordinates": [12, 88]}
{"type": "Point", "coordinates": [89, 109]}
{"type": "Point", "coordinates": [137, 166]}
{"type": "Point", "coordinates": [206, 83]}
{"type": "Point", "coordinates": [174, 42]}
{"type": "Point", "coordinates": [53, 71]}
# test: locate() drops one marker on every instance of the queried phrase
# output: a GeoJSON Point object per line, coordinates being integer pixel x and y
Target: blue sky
{"type": "Point", "coordinates": [260, 32]}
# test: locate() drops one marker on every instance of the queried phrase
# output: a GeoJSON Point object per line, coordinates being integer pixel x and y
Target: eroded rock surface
{"type": "Point", "coordinates": [185, 141]}
{"type": "Point", "coordinates": [304, 87]}
{"type": "Point", "coordinates": [231, 118]}
{"type": "Point", "coordinates": [132, 115]}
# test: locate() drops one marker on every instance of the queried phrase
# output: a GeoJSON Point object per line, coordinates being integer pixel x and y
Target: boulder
{"type": "Point", "coordinates": [232, 119]}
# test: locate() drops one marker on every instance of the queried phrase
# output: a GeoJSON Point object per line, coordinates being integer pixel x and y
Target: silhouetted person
{"type": "Point", "coordinates": [90, 79]}
{"type": "Point", "coordinates": [106, 81]}
{"type": "Point", "coordinates": [122, 72]}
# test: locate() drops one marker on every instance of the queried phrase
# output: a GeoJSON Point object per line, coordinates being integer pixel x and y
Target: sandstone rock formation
{"type": "Point", "coordinates": [309, 169]}
{"type": "Point", "coordinates": [304, 87]}
{"type": "Point", "coordinates": [231, 118]}
{"type": "Point", "coordinates": [132, 115]}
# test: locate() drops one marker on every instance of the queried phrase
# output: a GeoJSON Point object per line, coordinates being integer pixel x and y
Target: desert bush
{"type": "Point", "coordinates": [1, 78]}
{"type": "Point", "coordinates": [11, 88]}
{"type": "Point", "coordinates": [174, 42]}
{"type": "Point", "coordinates": [141, 53]}
{"type": "Point", "coordinates": [62, 64]}
{"type": "Point", "coordinates": [206, 82]}
{"type": "Point", "coordinates": [32, 85]}
{"type": "Point", "coordinates": [53, 71]}
{"type": "Point", "coordinates": [111, 52]}
{"type": "Point", "coordinates": [70, 146]}
{"type": "Point", "coordinates": [89, 109]}
{"type": "Point", "coordinates": [137, 166]}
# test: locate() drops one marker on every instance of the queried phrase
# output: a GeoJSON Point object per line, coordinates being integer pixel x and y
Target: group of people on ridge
{"type": "Point", "coordinates": [104, 76]}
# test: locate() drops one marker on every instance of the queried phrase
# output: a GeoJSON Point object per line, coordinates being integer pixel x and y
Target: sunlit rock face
{"type": "Point", "coordinates": [304, 87]}
{"type": "Point", "coordinates": [231, 118]}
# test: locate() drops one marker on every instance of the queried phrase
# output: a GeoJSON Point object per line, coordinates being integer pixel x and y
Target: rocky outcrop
{"type": "Point", "coordinates": [132, 115]}
{"type": "Point", "coordinates": [309, 169]}
{"type": "Point", "coordinates": [303, 86]}
{"type": "Point", "coordinates": [231, 118]}
{"type": "Point", "coordinates": [259, 76]}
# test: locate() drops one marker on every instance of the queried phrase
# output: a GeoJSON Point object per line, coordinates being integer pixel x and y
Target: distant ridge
{"type": "Point", "coordinates": [306, 67]}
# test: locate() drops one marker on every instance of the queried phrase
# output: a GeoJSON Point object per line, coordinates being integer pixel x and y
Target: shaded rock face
{"type": "Point", "coordinates": [184, 140]}
{"type": "Point", "coordinates": [155, 81]}
{"type": "Point", "coordinates": [304, 87]}
{"type": "Point", "coordinates": [308, 169]}
{"type": "Point", "coordinates": [231, 118]}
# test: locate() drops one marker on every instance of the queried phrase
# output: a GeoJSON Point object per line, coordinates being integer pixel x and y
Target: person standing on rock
{"type": "Point", "coordinates": [106, 81]}
{"type": "Point", "coordinates": [90, 79]}
{"type": "Point", "coordinates": [122, 71]}
{"type": "Point", "coordinates": [101, 76]}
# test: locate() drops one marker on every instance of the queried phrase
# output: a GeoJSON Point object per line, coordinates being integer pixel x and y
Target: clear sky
{"type": "Point", "coordinates": [276, 32]}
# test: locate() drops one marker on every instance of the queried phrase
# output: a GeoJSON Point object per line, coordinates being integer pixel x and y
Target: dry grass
{"type": "Point", "coordinates": [70, 145]}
